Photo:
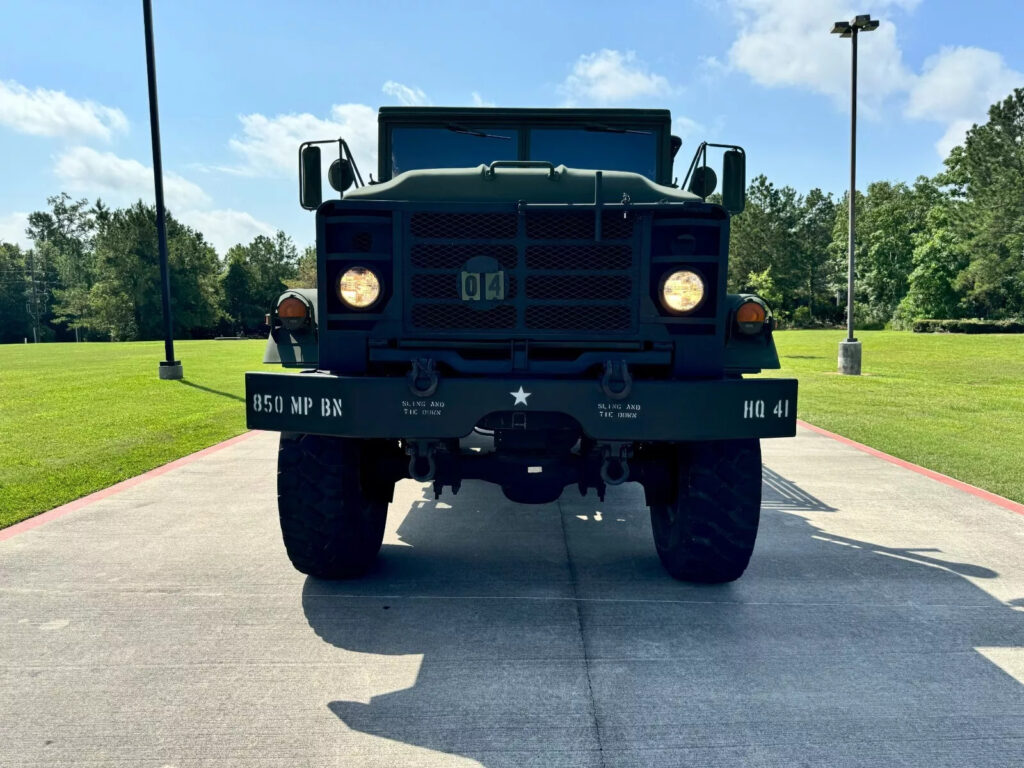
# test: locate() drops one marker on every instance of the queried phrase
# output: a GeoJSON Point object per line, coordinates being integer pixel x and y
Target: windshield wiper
{"type": "Point", "coordinates": [599, 128]}
{"type": "Point", "coordinates": [470, 132]}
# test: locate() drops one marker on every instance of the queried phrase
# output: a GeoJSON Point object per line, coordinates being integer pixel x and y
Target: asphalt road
{"type": "Point", "coordinates": [881, 623]}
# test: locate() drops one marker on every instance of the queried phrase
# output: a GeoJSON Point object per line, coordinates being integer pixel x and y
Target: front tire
{"type": "Point", "coordinates": [706, 532]}
{"type": "Point", "coordinates": [332, 508]}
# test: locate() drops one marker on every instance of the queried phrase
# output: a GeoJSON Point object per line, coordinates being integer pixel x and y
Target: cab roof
{"type": "Point", "coordinates": [658, 121]}
{"type": "Point", "coordinates": [543, 114]}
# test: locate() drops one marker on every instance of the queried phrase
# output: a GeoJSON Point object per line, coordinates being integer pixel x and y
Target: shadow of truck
{"type": "Point", "coordinates": [551, 636]}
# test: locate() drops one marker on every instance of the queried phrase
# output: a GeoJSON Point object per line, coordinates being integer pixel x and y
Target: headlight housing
{"type": "Point", "coordinates": [682, 291]}
{"type": "Point", "coordinates": [359, 287]}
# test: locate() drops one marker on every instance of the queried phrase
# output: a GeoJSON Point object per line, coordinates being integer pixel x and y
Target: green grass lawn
{"type": "Point", "coordinates": [950, 402]}
{"type": "Point", "coordinates": [75, 418]}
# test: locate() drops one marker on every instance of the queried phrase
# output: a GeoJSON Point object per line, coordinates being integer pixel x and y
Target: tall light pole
{"type": "Point", "coordinates": [169, 368]}
{"type": "Point", "coordinates": [849, 350]}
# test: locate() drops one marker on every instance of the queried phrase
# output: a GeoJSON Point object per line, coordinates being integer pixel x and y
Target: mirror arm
{"type": "Point", "coordinates": [345, 152]}
{"type": "Point", "coordinates": [702, 155]}
{"type": "Point", "coordinates": [693, 164]}
{"type": "Point", "coordinates": [704, 162]}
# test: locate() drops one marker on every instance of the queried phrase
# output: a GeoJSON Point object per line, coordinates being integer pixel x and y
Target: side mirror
{"type": "Point", "coordinates": [340, 175]}
{"type": "Point", "coordinates": [734, 181]}
{"type": "Point", "coordinates": [310, 185]}
{"type": "Point", "coordinates": [703, 181]}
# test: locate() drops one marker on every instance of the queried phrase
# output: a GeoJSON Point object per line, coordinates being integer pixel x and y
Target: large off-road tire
{"type": "Point", "coordinates": [331, 505]}
{"type": "Point", "coordinates": [707, 532]}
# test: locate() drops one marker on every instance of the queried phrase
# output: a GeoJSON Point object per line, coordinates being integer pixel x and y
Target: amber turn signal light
{"type": "Point", "coordinates": [294, 313]}
{"type": "Point", "coordinates": [750, 316]}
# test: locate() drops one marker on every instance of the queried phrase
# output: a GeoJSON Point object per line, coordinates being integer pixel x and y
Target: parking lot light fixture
{"type": "Point", "coordinates": [850, 349]}
{"type": "Point", "coordinates": [169, 368]}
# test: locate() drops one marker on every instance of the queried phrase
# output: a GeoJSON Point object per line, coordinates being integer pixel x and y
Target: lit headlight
{"type": "Point", "coordinates": [359, 287]}
{"type": "Point", "coordinates": [682, 291]}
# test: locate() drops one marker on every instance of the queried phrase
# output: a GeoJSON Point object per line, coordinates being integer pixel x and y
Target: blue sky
{"type": "Point", "coordinates": [242, 83]}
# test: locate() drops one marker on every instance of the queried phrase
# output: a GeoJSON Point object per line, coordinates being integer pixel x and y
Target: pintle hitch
{"type": "Point", "coordinates": [615, 458]}
{"type": "Point", "coordinates": [422, 466]}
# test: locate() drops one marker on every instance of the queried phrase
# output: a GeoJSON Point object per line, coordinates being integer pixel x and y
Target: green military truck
{"type": "Point", "coordinates": [536, 277]}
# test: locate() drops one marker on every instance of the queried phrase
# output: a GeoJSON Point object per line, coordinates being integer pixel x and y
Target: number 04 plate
{"type": "Point", "coordinates": [482, 286]}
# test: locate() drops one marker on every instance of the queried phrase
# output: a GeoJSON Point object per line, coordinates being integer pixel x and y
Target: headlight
{"type": "Point", "coordinates": [359, 287]}
{"type": "Point", "coordinates": [682, 291]}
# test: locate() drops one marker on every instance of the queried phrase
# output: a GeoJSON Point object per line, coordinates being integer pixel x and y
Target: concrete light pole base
{"type": "Point", "coordinates": [173, 371]}
{"type": "Point", "coordinates": [849, 358]}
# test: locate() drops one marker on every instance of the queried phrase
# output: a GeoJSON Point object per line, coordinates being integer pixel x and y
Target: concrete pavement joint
{"type": "Point", "coordinates": [625, 600]}
{"type": "Point", "coordinates": [591, 703]}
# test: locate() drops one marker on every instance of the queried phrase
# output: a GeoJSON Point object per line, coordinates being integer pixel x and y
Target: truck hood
{"type": "Point", "coordinates": [508, 184]}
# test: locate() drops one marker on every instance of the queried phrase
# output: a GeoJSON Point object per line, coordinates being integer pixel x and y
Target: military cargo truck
{"type": "Point", "coordinates": [534, 278]}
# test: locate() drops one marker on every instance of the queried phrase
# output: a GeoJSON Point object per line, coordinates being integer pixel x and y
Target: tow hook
{"type": "Point", "coordinates": [616, 382]}
{"type": "Point", "coordinates": [615, 462]}
{"type": "Point", "coordinates": [422, 466]}
{"type": "Point", "coordinates": [423, 377]}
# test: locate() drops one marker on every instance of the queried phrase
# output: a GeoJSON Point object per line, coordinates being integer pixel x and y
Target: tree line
{"type": "Point", "coordinates": [949, 246]}
{"type": "Point", "coordinates": [93, 273]}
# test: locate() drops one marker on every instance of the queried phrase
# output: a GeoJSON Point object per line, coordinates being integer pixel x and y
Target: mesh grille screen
{"type": "Point", "coordinates": [568, 282]}
{"type": "Point", "coordinates": [577, 318]}
{"type": "Point", "coordinates": [597, 256]}
{"type": "Point", "coordinates": [496, 226]}
{"type": "Point", "coordinates": [586, 287]}
{"type": "Point", "coordinates": [459, 316]}
{"type": "Point", "coordinates": [432, 256]}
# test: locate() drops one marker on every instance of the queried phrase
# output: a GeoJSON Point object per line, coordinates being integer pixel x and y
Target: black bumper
{"type": "Point", "coordinates": [320, 403]}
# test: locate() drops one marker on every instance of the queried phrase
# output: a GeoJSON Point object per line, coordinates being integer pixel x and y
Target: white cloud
{"type": "Point", "coordinates": [710, 69]}
{"type": "Point", "coordinates": [269, 145]}
{"type": "Point", "coordinates": [687, 128]}
{"type": "Point", "coordinates": [85, 171]}
{"type": "Point", "coordinates": [122, 181]}
{"type": "Point", "coordinates": [43, 112]}
{"type": "Point", "coordinates": [611, 77]}
{"type": "Point", "coordinates": [787, 43]}
{"type": "Point", "coordinates": [226, 227]}
{"type": "Point", "coordinates": [406, 96]}
{"type": "Point", "coordinates": [480, 101]}
{"type": "Point", "coordinates": [956, 87]}
{"type": "Point", "coordinates": [12, 229]}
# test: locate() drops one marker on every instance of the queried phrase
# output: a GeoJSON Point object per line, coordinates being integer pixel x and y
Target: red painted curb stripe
{"type": "Point", "coordinates": [981, 493]}
{"type": "Point", "coordinates": [85, 501]}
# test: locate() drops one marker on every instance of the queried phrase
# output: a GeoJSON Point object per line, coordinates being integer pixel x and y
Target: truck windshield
{"type": "Point", "coordinates": [450, 147]}
{"type": "Point", "coordinates": [467, 146]}
{"type": "Point", "coordinates": [634, 151]}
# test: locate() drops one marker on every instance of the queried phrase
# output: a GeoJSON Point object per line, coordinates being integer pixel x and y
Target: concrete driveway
{"type": "Point", "coordinates": [881, 623]}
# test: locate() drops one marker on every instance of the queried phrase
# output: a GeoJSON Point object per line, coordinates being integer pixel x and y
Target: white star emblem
{"type": "Point", "coordinates": [520, 397]}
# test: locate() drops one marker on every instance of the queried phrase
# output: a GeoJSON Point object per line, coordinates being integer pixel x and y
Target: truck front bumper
{"type": "Point", "coordinates": [383, 407]}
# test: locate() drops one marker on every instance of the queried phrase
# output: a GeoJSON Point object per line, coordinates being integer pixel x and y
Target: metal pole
{"type": "Point", "coordinates": [853, 187]}
{"type": "Point", "coordinates": [169, 368]}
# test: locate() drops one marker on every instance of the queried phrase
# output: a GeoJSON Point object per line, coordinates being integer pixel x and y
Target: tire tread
{"type": "Point", "coordinates": [707, 534]}
{"type": "Point", "coordinates": [330, 529]}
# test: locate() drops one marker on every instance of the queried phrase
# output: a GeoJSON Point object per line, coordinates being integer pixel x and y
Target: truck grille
{"type": "Point", "coordinates": [558, 276]}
